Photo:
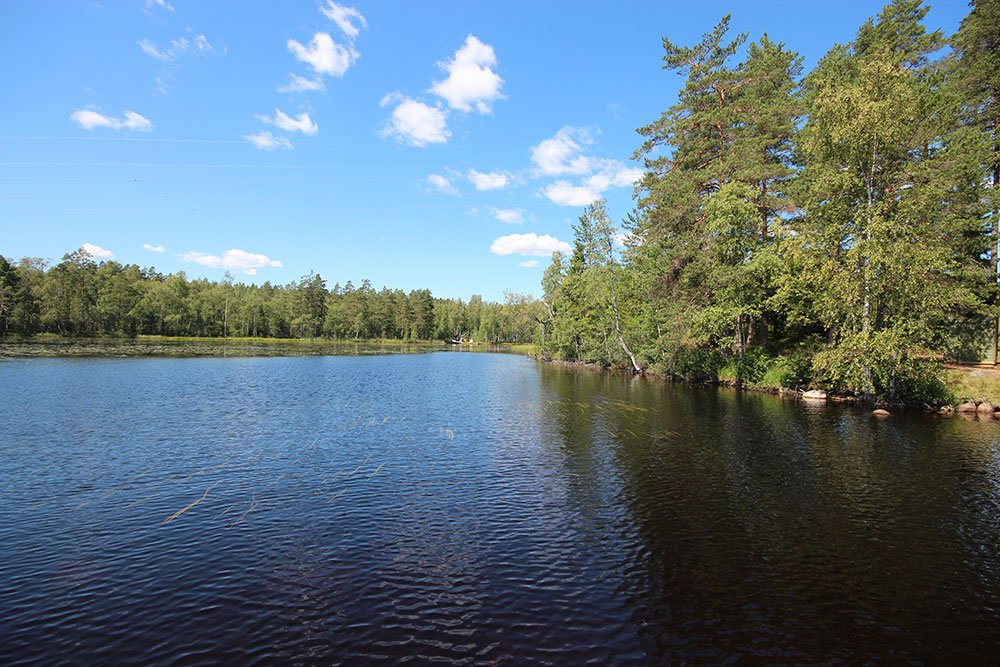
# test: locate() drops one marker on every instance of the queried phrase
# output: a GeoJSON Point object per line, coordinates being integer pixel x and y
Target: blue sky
{"type": "Point", "coordinates": [446, 145]}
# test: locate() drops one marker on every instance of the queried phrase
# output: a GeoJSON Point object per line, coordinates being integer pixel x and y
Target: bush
{"type": "Point", "coordinates": [696, 364]}
{"type": "Point", "coordinates": [788, 372]}
{"type": "Point", "coordinates": [882, 365]}
{"type": "Point", "coordinates": [750, 367]}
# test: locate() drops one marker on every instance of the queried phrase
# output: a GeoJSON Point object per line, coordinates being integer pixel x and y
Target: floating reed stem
{"type": "Point", "coordinates": [181, 511]}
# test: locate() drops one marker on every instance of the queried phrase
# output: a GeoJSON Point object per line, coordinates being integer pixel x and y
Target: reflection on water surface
{"type": "Point", "coordinates": [478, 508]}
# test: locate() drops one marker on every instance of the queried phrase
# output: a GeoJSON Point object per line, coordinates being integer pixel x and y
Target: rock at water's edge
{"type": "Point", "coordinates": [815, 394]}
{"type": "Point", "coordinates": [880, 413]}
{"type": "Point", "coordinates": [985, 408]}
{"type": "Point", "coordinates": [967, 407]}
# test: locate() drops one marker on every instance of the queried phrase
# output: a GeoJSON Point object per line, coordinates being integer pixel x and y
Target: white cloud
{"type": "Point", "coordinates": [324, 55]}
{"type": "Point", "coordinates": [528, 263]}
{"type": "Point", "coordinates": [235, 260]}
{"type": "Point", "coordinates": [563, 153]}
{"type": "Point", "coordinates": [471, 81]}
{"type": "Point", "coordinates": [89, 119]}
{"type": "Point", "coordinates": [178, 47]}
{"type": "Point", "coordinates": [153, 248]}
{"type": "Point", "coordinates": [528, 244]}
{"type": "Point", "coordinates": [470, 84]}
{"type": "Point", "coordinates": [300, 84]}
{"type": "Point", "coordinates": [624, 239]}
{"type": "Point", "coordinates": [613, 175]}
{"type": "Point", "coordinates": [492, 181]}
{"type": "Point", "coordinates": [414, 122]}
{"type": "Point", "coordinates": [345, 18]}
{"type": "Point", "coordinates": [443, 184]}
{"type": "Point", "coordinates": [565, 193]}
{"type": "Point", "coordinates": [266, 141]}
{"type": "Point", "coordinates": [283, 121]}
{"type": "Point", "coordinates": [512, 216]}
{"type": "Point", "coordinates": [97, 251]}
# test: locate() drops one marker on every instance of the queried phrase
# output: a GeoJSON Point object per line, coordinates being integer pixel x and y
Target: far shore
{"type": "Point", "coordinates": [48, 345]}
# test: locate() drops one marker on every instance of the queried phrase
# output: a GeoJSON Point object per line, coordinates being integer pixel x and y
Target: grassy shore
{"type": "Point", "coordinates": [972, 384]}
{"type": "Point", "coordinates": [190, 346]}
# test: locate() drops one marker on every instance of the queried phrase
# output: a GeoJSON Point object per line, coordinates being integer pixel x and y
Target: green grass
{"type": "Point", "coordinates": [529, 349]}
{"type": "Point", "coordinates": [774, 377]}
{"type": "Point", "coordinates": [972, 385]}
{"type": "Point", "coordinates": [729, 373]}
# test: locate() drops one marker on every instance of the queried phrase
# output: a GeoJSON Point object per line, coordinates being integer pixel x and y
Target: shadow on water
{"type": "Point", "coordinates": [768, 529]}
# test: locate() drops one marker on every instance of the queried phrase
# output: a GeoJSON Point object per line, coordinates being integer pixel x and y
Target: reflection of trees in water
{"type": "Point", "coordinates": [756, 525]}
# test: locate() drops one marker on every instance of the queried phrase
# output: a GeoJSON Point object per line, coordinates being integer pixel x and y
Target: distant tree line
{"type": "Point", "coordinates": [81, 297]}
{"type": "Point", "coordinates": [837, 227]}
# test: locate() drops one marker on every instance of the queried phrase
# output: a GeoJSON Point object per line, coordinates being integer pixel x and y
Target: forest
{"type": "Point", "coordinates": [833, 228]}
{"type": "Point", "coordinates": [80, 297]}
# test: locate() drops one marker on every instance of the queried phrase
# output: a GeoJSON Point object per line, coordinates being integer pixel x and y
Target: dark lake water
{"type": "Point", "coordinates": [479, 508]}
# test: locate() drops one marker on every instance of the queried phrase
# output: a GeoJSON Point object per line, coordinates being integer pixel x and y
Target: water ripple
{"type": "Point", "coordinates": [477, 509]}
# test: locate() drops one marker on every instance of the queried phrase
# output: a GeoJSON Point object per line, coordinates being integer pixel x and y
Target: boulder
{"type": "Point", "coordinates": [946, 410]}
{"type": "Point", "coordinates": [967, 407]}
{"type": "Point", "coordinates": [985, 408]}
{"type": "Point", "coordinates": [815, 395]}
{"type": "Point", "coordinates": [881, 414]}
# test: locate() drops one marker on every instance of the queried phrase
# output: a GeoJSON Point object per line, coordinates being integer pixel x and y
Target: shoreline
{"type": "Point", "coordinates": [967, 409]}
{"type": "Point", "coordinates": [49, 346]}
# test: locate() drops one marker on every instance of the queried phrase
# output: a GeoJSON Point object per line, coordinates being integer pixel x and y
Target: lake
{"type": "Point", "coordinates": [479, 508]}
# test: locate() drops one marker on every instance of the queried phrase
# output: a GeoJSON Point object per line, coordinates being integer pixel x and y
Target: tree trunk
{"type": "Point", "coordinates": [995, 232]}
{"type": "Point", "coordinates": [618, 326]}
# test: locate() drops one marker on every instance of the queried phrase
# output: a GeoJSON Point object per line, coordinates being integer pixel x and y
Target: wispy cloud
{"type": "Point", "coordinates": [300, 84]}
{"type": "Point", "coordinates": [168, 56]}
{"type": "Point", "coordinates": [153, 248]}
{"type": "Point", "coordinates": [415, 123]}
{"type": "Point", "coordinates": [443, 184]}
{"type": "Point", "coordinates": [471, 82]}
{"type": "Point", "coordinates": [511, 216]}
{"type": "Point", "coordinates": [97, 251]}
{"type": "Point", "coordinates": [233, 260]}
{"type": "Point", "coordinates": [488, 181]}
{"type": "Point", "coordinates": [529, 263]}
{"type": "Point", "coordinates": [283, 121]}
{"type": "Point", "coordinates": [266, 141]}
{"type": "Point", "coordinates": [90, 119]}
{"type": "Point", "coordinates": [528, 244]}
{"type": "Point", "coordinates": [348, 19]}
{"type": "Point", "coordinates": [198, 45]}
{"type": "Point", "coordinates": [162, 4]}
